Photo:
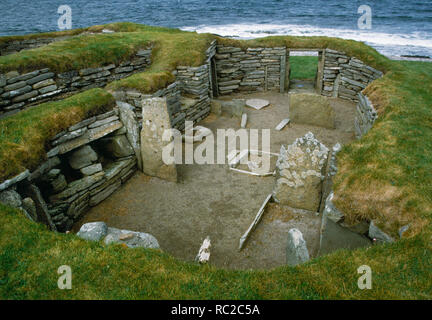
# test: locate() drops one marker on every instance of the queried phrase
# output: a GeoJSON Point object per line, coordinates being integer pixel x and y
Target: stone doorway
{"type": "Point", "coordinates": [304, 70]}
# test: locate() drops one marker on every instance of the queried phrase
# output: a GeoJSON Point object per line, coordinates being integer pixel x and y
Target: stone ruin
{"type": "Point", "coordinates": [300, 171]}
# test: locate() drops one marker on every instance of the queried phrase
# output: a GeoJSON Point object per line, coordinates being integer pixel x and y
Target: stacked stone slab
{"type": "Point", "coordinates": [346, 76]}
{"type": "Point", "coordinates": [250, 70]}
{"type": "Point", "coordinates": [188, 98]}
{"type": "Point", "coordinates": [172, 94]}
{"type": "Point", "coordinates": [194, 84]}
{"type": "Point", "coordinates": [365, 115]}
{"type": "Point", "coordinates": [76, 176]}
{"type": "Point", "coordinates": [300, 170]}
{"type": "Point", "coordinates": [18, 91]}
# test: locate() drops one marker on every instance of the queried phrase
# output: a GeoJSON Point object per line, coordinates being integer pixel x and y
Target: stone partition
{"type": "Point", "coordinates": [345, 76]}
{"type": "Point", "coordinates": [18, 91]}
{"type": "Point", "coordinates": [365, 115]}
{"type": "Point", "coordinates": [250, 70]}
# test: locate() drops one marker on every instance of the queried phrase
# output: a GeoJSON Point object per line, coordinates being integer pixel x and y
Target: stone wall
{"type": "Point", "coordinates": [18, 45]}
{"type": "Point", "coordinates": [250, 70]}
{"type": "Point", "coordinates": [346, 76]}
{"type": "Point", "coordinates": [188, 98]}
{"type": "Point", "coordinates": [86, 164]}
{"type": "Point", "coordinates": [18, 91]}
{"type": "Point", "coordinates": [172, 93]}
{"type": "Point", "coordinates": [365, 115]}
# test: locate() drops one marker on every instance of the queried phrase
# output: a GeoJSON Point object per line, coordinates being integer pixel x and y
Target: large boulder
{"type": "Point", "coordinates": [131, 238]}
{"type": "Point", "coordinates": [300, 170]}
{"type": "Point", "coordinates": [232, 108]}
{"type": "Point", "coordinates": [82, 157]}
{"type": "Point", "coordinates": [311, 109]}
{"type": "Point", "coordinates": [11, 198]}
{"type": "Point", "coordinates": [93, 231]}
{"type": "Point", "coordinates": [118, 146]}
{"type": "Point", "coordinates": [296, 250]}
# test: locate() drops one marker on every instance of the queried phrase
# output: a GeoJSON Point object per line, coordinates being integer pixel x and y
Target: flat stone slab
{"type": "Point", "coordinates": [334, 237]}
{"type": "Point", "coordinates": [257, 103]}
{"type": "Point", "coordinates": [131, 238]}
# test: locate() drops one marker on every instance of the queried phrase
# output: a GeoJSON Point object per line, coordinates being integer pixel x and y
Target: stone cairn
{"type": "Point", "coordinates": [300, 171]}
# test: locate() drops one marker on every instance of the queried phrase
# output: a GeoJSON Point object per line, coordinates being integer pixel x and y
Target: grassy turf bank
{"type": "Point", "coordinates": [31, 255]}
{"type": "Point", "coordinates": [25, 134]}
{"type": "Point", "coordinates": [387, 174]}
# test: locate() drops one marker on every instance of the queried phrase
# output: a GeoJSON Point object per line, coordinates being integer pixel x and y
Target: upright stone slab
{"type": "Point", "coordinates": [128, 117]}
{"type": "Point", "coordinates": [300, 170]}
{"type": "Point", "coordinates": [296, 251]}
{"type": "Point", "coordinates": [311, 109]}
{"type": "Point", "coordinates": [155, 121]}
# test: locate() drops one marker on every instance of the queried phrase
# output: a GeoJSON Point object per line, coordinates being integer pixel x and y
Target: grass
{"type": "Point", "coordinates": [387, 174]}
{"type": "Point", "coordinates": [24, 135]}
{"type": "Point", "coordinates": [384, 176]}
{"type": "Point", "coordinates": [31, 255]}
{"type": "Point", "coordinates": [303, 67]}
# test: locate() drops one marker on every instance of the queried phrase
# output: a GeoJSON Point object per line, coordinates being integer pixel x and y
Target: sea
{"type": "Point", "coordinates": [393, 27]}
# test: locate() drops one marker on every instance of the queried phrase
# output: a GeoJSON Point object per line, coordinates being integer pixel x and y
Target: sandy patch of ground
{"type": "Point", "coordinates": [211, 200]}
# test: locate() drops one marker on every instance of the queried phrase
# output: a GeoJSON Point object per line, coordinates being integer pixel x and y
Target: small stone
{"type": "Point", "coordinates": [378, 235]}
{"type": "Point", "coordinates": [402, 230]}
{"type": "Point", "coordinates": [59, 184]}
{"type": "Point", "coordinates": [296, 251]}
{"type": "Point", "coordinates": [82, 157]}
{"type": "Point", "coordinates": [93, 231]}
{"type": "Point", "coordinates": [10, 198]}
{"type": "Point", "coordinates": [53, 173]}
{"type": "Point", "coordinates": [92, 169]}
{"type": "Point", "coordinates": [118, 146]}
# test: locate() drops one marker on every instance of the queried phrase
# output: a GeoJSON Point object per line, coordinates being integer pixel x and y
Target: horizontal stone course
{"type": "Point", "coordinates": [23, 90]}
{"type": "Point", "coordinates": [253, 69]}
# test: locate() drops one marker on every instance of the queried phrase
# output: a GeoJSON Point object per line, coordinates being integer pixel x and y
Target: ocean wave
{"type": "Point", "coordinates": [387, 43]}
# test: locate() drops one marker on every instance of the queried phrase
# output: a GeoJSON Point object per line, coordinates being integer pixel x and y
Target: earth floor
{"type": "Point", "coordinates": [211, 200]}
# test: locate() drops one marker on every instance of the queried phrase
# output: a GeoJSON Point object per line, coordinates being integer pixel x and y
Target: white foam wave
{"type": "Point", "coordinates": [379, 39]}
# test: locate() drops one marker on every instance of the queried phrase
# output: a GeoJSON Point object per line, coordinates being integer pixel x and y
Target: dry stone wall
{"type": "Point", "coordinates": [346, 76]}
{"type": "Point", "coordinates": [188, 98]}
{"type": "Point", "coordinates": [18, 91]}
{"type": "Point", "coordinates": [18, 45]}
{"type": "Point", "coordinates": [365, 115]}
{"type": "Point", "coordinates": [250, 70]}
{"type": "Point", "coordinates": [86, 164]}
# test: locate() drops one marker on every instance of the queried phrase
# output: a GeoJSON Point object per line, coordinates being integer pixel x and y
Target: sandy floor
{"type": "Point", "coordinates": [211, 200]}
